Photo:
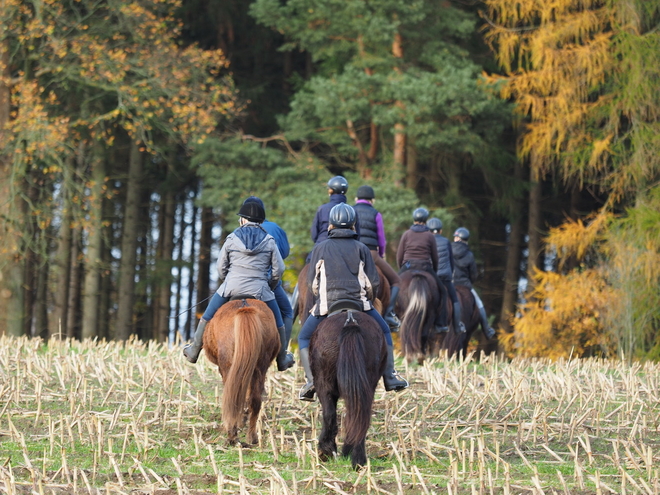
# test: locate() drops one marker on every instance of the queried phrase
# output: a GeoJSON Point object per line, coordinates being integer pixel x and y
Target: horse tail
{"type": "Point", "coordinates": [353, 382]}
{"type": "Point", "coordinates": [413, 320]}
{"type": "Point", "coordinates": [248, 340]}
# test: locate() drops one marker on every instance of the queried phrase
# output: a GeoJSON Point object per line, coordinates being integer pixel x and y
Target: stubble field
{"type": "Point", "coordinates": [137, 418]}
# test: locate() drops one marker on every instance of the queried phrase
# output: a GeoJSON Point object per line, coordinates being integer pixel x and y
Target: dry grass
{"type": "Point", "coordinates": [107, 418]}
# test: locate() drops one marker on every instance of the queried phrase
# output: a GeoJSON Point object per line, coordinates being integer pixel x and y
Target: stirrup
{"type": "Point", "coordinates": [441, 329]}
{"type": "Point", "coordinates": [188, 353]}
{"type": "Point", "coordinates": [489, 333]}
{"type": "Point", "coordinates": [460, 328]}
{"type": "Point", "coordinates": [285, 362]}
{"type": "Point", "coordinates": [307, 392]}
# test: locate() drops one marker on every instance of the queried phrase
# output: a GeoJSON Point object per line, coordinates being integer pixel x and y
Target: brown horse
{"type": "Point", "coordinates": [418, 302]}
{"type": "Point", "coordinates": [306, 298]}
{"type": "Point", "coordinates": [242, 340]}
{"type": "Point", "coordinates": [347, 355]}
{"type": "Point", "coordinates": [453, 342]}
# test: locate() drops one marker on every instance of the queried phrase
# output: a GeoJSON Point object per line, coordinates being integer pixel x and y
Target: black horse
{"type": "Point", "coordinates": [455, 343]}
{"type": "Point", "coordinates": [347, 355]}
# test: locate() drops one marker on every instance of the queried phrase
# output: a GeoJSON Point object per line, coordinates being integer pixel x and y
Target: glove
{"type": "Point", "coordinates": [273, 284]}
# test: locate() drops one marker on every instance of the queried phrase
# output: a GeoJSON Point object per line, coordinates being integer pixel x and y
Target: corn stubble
{"type": "Point", "coordinates": [136, 418]}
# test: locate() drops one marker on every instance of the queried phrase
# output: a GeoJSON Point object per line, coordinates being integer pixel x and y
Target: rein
{"type": "Point", "coordinates": [191, 307]}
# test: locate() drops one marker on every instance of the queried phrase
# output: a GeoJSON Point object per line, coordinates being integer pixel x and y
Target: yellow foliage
{"type": "Point", "coordinates": [575, 238]}
{"type": "Point", "coordinates": [564, 317]}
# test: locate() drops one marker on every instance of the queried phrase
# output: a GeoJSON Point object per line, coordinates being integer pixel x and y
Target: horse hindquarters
{"type": "Point", "coordinates": [358, 372]}
{"type": "Point", "coordinates": [416, 316]}
{"type": "Point", "coordinates": [248, 343]}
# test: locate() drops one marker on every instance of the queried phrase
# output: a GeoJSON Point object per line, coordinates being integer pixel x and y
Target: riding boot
{"type": "Point", "coordinates": [440, 325]}
{"type": "Point", "coordinates": [390, 318]}
{"type": "Point", "coordinates": [191, 351]}
{"type": "Point", "coordinates": [459, 326]}
{"type": "Point", "coordinates": [488, 331]}
{"type": "Point", "coordinates": [307, 391]}
{"type": "Point", "coordinates": [284, 358]}
{"type": "Point", "coordinates": [391, 379]}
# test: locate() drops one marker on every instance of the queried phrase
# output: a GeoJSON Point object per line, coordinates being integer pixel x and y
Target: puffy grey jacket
{"type": "Point", "coordinates": [246, 258]}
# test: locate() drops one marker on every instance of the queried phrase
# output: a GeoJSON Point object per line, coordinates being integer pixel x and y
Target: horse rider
{"type": "Point", "coordinates": [337, 188]}
{"type": "Point", "coordinates": [372, 234]}
{"type": "Point", "coordinates": [342, 268]}
{"type": "Point", "coordinates": [465, 273]}
{"type": "Point", "coordinates": [249, 264]}
{"type": "Point", "coordinates": [285, 359]}
{"type": "Point", "coordinates": [418, 250]}
{"type": "Point", "coordinates": [446, 269]}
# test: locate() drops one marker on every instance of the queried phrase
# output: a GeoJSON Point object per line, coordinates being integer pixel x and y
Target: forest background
{"type": "Point", "coordinates": [131, 132]}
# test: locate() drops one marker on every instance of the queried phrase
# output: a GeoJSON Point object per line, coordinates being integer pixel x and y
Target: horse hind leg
{"type": "Point", "coordinates": [254, 407]}
{"type": "Point", "coordinates": [327, 443]}
{"type": "Point", "coordinates": [358, 453]}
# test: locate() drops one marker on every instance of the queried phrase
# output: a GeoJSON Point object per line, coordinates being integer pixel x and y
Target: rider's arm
{"type": "Point", "coordinates": [434, 252]}
{"type": "Point", "coordinates": [380, 230]}
{"type": "Point", "coordinates": [277, 265]}
{"type": "Point", "coordinates": [223, 260]}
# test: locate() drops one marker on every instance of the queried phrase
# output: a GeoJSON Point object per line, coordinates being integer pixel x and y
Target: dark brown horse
{"type": "Point", "coordinates": [242, 340]}
{"type": "Point", "coordinates": [347, 355]}
{"type": "Point", "coordinates": [453, 342]}
{"type": "Point", "coordinates": [306, 298]}
{"type": "Point", "coordinates": [418, 302]}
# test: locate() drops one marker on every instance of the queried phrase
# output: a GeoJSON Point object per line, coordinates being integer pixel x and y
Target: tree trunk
{"type": "Point", "coordinates": [190, 317]}
{"type": "Point", "coordinates": [41, 303]}
{"type": "Point", "coordinates": [512, 270]}
{"type": "Point", "coordinates": [411, 167]}
{"type": "Point", "coordinates": [534, 245]}
{"type": "Point", "coordinates": [93, 262]}
{"type": "Point", "coordinates": [399, 129]}
{"type": "Point", "coordinates": [11, 274]}
{"type": "Point", "coordinates": [126, 288]}
{"type": "Point", "coordinates": [165, 279]}
{"type": "Point", "coordinates": [73, 300]}
{"type": "Point", "coordinates": [204, 263]}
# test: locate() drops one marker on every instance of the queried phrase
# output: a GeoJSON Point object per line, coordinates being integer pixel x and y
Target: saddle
{"type": "Point", "coordinates": [343, 305]}
{"type": "Point", "coordinates": [243, 297]}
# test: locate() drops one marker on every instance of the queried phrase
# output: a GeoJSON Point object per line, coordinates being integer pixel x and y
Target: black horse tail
{"type": "Point", "coordinates": [415, 316]}
{"type": "Point", "coordinates": [354, 385]}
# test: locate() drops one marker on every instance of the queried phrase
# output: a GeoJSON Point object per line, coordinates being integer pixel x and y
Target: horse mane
{"type": "Point", "coordinates": [247, 337]}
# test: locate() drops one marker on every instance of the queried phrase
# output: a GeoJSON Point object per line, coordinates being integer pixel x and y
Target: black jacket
{"type": "Point", "coordinates": [445, 258]}
{"type": "Point", "coordinates": [368, 228]}
{"type": "Point", "coordinates": [319, 229]}
{"type": "Point", "coordinates": [341, 267]}
{"type": "Point", "coordinates": [465, 267]}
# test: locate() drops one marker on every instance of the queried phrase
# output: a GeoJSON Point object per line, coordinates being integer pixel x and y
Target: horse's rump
{"type": "Point", "coordinates": [419, 303]}
{"type": "Point", "coordinates": [348, 354]}
{"type": "Point", "coordinates": [242, 340]}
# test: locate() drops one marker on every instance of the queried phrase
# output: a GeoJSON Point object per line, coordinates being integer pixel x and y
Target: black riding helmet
{"type": "Point", "coordinates": [365, 192]}
{"type": "Point", "coordinates": [463, 233]}
{"type": "Point", "coordinates": [434, 224]}
{"type": "Point", "coordinates": [420, 215]}
{"type": "Point", "coordinates": [342, 216]}
{"type": "Point", "coordinates": [338, 184]}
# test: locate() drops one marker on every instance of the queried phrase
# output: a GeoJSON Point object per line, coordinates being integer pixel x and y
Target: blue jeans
{"type": "Point", "coordinates": [283, 301]}
{"type": "Point", "coordinates": [312, 322]}
{"type": "Point", "coordinates": [217, 300]}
